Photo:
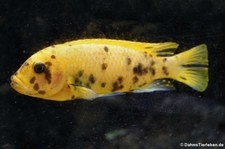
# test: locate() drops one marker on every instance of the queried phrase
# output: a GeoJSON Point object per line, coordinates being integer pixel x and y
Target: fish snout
{"type": "Point", "coordinates": [14, 81]}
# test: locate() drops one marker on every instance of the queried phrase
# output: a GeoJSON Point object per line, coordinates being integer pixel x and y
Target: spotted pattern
{"type": "Point", "coordinates": [106, 49]}
{"type": "Point", "coordinates": [183, 78]}
{"type": "Point", "coordinates": [103, 85]}
{"type": "Point", "coordinates": [32, 80]}
{"type": "Point", "coordinates": [36, 87]}
{"type": "Point", "coordinates": [48, 63]}
{"type": "Point", "coordinates": [104, 66]}
{"type": "Point", "coordinates": [48, 76]}
{"type": "Point", "coordinates": [92, 78]}
{"type": "Point", "coordinates": [128, 61]}
{"type": "Point", "coordinates": [120, 79]}
{"type": "Point", "coordinates": [152, 71]}
{"type": "Point", "coordinates": [152, 63]}
{"type": "Point", "coordinates": [165, 70]}
{"type": "Point", "coordinates": [80, 73]}
{"type": "Point", "coordinates": [164, 60]}
{"type": "Point", "coordinates": [53, 57]}
{"type": "Point", "coordinates": [78, 81]}
{"type": "Point", "coordinates": [117, 86]}
{"type": "Point", "coordinates": [41, 92]}
{"type": "Point", "coordinates": [135, 79]}
{"type": "Point", "coordinates": [140, 70]}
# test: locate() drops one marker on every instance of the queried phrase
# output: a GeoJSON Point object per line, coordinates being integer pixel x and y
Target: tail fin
{"type": "Point", "coordinates": [193, 67]}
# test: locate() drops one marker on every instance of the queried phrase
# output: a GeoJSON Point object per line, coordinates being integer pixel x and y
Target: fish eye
{"type": "Point", "coordinates": [39, 68]}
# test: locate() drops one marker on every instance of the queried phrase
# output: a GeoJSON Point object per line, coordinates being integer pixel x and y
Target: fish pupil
{"type": "Point", "coordinates": [39, 68]}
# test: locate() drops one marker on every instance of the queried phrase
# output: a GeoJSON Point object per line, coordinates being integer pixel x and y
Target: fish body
{"type": "Point", "coordinates": [93, 68]}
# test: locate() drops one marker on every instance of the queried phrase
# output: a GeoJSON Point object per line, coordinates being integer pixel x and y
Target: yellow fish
{"type": "Point", "coordinates": [93, 68]}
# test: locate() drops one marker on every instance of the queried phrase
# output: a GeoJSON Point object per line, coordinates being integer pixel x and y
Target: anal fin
{"type": "Point", "coordinates": [112, 94]}
{"type": "Point", "coordinates": [157, 85]}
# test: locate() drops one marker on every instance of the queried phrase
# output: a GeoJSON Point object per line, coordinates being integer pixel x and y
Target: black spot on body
{"type": "Point", "coordinates": [183, 78]}
{"type": "Point", "coordinates": [120, 79]}
{"type": "Point", "coordinates": [139, 69]}
{"type": "Point", "coordinates": [104, 66]}
{"type": "Point", "coordinates": [135, 79]}
{"type": "Point", "coordinates": [48, 63]}
{"type": "Point", "coordinates": [103, 85]}
{"type": "Point", "coordinates": [53, 57]}
{"type": "Point", "coordinates": [152, 63]}
{"type": "Point", "coordinates": [164, 60]}
{"type": "Point", "coordinates": [128, 61]}
{"type": "Point", "coordinates": [152, 71]}
{"type": "Point", "coordinates": [80, 73]}
{"type": "Point", "coordinates": [41, 92]}
{"type": "Point", "coordinates": [72, 97]}
{"type": "Point", "coordinates": [106, 49]}
{"type": "Point", "coordinates": [36, 87]}
{"type": "Point", "coordinates": [117, 86]}
{"type": "Point", "coordinates": [48, 76]}
{"type": "Point", "coordinates": [145, 70]}
{"type": "Point", "coordinates": [77, 81]}
{"type": "Point", "coordinates": [165, 70]}
{"type": "Point", "coordinates": [32, 80]}
{"type": "Point", "coordinates": [92, 79]}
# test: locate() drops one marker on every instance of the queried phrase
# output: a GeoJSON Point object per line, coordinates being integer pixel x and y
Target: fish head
{"type": "Point", "coordinates": [42, 75]}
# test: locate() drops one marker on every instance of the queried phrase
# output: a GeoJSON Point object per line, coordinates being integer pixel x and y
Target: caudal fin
{"type": "Point", "coordinates": [193, 67]}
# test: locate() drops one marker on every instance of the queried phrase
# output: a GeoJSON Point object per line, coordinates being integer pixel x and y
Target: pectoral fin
{"type": "Point", "coordinates": [81, 91]}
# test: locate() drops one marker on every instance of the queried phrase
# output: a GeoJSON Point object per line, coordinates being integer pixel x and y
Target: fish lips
{"type": "Point", "coordinates": [18, 85]}
{"type": "Point", "coordinates": [15, 82]}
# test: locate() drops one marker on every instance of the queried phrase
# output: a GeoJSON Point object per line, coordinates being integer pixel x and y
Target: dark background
{"type": "Point", "coordinates": [134, 121]}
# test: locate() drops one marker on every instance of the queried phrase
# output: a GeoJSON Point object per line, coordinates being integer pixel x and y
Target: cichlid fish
{"type": "Point", "coordinates": [93, 68]}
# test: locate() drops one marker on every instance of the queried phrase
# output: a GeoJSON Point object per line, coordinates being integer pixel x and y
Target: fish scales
{"type": "Point", "coordinates": [93, 68]}
{"type": "Point", "coordinates": [107, 67]}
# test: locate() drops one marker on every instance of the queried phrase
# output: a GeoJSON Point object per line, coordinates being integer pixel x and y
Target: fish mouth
{"type": "Point", "coordinates": [18, 84]}
{"type": "Point", "coordinates": [15, 81]}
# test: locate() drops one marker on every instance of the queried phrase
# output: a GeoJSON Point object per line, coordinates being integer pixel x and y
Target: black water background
{"type": "Point", "coordinates": [150, 120]}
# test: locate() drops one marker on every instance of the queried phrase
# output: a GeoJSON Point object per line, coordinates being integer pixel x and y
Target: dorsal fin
{"type": "Point", "coordinates": [155, 49]}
